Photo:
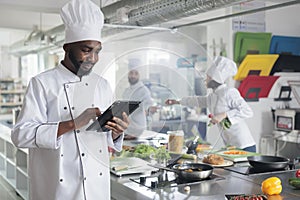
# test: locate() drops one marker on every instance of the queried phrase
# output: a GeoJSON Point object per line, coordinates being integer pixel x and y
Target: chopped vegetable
{"type": "Point", "coordinates": [246, 197]}
{"type": "Point", "coordinates": [226, 124]}
{"type": "Point", "coordinates": [144, 151]}
{"type": "Point", "coordinates": [271, 186]}
{"type": "Point", "coordinates": [161, 154]}
{"type": "Point", "coordinates": [210, 116]}
{"type": "Point", "coordinates": [147, 152]}
{"type": "Point", "coordinates": [295, 182]}
{"type": "Point", "coordinates": [235, 152]}
{"type": "Point", "coordinates": [189, 156]}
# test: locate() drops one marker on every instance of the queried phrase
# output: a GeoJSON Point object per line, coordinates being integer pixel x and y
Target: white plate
{"type": "Point", "coordinates": [226, 163]}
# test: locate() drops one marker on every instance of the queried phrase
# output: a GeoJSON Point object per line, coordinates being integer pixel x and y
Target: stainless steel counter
{"type": "Point", "coordinates": [233, 183]}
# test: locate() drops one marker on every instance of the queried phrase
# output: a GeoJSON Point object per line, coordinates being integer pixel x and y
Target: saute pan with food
{"type": "Point", "coordinates": [190, 171]}
{"type": "Point", "coordinates": [268, 162]}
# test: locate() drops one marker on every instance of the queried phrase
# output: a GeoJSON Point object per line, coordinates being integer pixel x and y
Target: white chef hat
{"type": "Point", "coordinates": [83, 20]}
{"type": "Point", "coordinates": [134, 64]}
{"type": "Point", "coordinates": [221, 69]}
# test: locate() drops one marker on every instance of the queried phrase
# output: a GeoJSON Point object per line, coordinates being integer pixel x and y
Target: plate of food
{"type": "Point", "coordinates": [236, 155]}
{"type": "Point", "coordinates": [216, 161]}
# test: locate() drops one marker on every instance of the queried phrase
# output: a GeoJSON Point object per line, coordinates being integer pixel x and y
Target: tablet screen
{"type": "Point", "coordinates": [115, 110]}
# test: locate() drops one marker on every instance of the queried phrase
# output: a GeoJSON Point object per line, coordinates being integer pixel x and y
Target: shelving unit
{"type": "Point", "coordinates": [13, 164]}
{"type": "Point", "coordinates": [11, 94]}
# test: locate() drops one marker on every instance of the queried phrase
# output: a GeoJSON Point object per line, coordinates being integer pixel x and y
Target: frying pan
{"type": "Point", "coordinates": [268, 162]}
{"type": "Point", "coordinates": [197, 171]}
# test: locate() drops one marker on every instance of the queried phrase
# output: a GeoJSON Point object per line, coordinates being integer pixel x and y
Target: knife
{"type": "Point", "coordinates": [123, 167]}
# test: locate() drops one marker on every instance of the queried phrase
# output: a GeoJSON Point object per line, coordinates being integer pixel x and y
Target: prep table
{"type": "Point", "coordinates": [232, 183]}
{"type": "Point", "coordinates": [122, 188]}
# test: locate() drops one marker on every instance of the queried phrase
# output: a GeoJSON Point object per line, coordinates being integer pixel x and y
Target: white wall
{"type": "Point", "coordinates": [8, 63]}
{"type": "Point", "coordinates": [284, 21]}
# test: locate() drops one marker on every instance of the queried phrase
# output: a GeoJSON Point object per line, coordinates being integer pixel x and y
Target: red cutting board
{"type": "Point", "coordinates": [263, 83]}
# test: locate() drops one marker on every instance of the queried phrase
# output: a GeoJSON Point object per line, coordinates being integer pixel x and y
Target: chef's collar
{"type": "Point", "coordinates": [137, 85]}
{"type": "Point", "coordinates": [70, 76]}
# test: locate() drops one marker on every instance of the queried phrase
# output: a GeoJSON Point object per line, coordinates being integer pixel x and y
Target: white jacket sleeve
{"type": "Point", "coordinates": [33, 130]}
{"type": "Point", "coordinates": [117, 144]}
{"type": "Point", "coordinates": [239, 108]}
{"type": "Point", "coordinates": [194, 101]}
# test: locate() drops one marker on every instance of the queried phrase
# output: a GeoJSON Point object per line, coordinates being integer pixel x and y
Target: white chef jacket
{"type": "Point", "coordinates": [227, 100]}
{"type": "Point", "coordinates": [58, 168]}
{"type": "Point", "coordinates": [138, 121]}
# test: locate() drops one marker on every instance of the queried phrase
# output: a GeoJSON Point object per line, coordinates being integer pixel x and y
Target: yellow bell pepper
{"type": "Point", "coordinates": [271, 186]}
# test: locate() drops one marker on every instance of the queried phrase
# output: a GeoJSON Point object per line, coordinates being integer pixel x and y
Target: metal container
{"type": "Point", "coordinates": [268, 162]}
{"type": "Point", "coordinates": [193, 171]}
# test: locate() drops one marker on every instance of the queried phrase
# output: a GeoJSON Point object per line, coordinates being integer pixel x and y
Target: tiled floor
{"type": "Point", "coordinates": [7, 192]}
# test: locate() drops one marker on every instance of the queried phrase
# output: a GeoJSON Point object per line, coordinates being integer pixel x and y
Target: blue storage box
{"type": "Point", "coordinates": [285, 45]}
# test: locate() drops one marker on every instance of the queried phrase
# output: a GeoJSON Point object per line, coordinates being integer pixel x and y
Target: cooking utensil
{"type": "Point", "coordinates": [192, 145]}
{"type": "Point", "coordinates": [213, 147]}
{"type": "Point", "coordinates": [123, 167]}
{"type": "Point", "coordinates": [174, 161]}
{"type": "Point", "coordinates": [190, 171]}
{"type": "Point", "coordinates": [268, 162]}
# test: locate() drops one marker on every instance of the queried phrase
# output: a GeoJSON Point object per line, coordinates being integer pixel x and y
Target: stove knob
{"type": "Point", "coordinates": [153, 184]}
{"type": "Point", "coordinates": [142, 179]}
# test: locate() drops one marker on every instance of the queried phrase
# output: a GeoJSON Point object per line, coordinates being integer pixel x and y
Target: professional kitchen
{"type": "Point", "coordinates": [149, 99]}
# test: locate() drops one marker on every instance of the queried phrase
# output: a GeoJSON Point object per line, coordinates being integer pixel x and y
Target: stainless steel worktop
{"type": "Point", "coordinates": [232, 183]}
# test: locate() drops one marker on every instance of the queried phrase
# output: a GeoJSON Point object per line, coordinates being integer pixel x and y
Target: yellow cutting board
{"type": "Point", "coordinates": [260, 65]}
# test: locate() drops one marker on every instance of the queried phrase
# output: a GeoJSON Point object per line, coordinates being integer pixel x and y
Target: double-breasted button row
{"type": "Point", "coordinates": [65, 108]}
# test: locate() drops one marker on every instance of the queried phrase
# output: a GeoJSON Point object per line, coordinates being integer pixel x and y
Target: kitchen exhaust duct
{"type": "Point", "coordinates": [139, 13]}
{"type": "Point", "coordinates": [132, 13]}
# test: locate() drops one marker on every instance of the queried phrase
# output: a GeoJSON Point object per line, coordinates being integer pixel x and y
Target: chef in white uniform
{"type": "Point", "coordinates": [65, 160]}
{"type": "Point", "coordinates": [137, 91]}
{"type": "Point", "coordinates": [224, 103]}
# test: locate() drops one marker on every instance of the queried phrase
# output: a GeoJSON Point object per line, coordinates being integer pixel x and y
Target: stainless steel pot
{"type": "Point", "coordinates": [268, 162]}
{"type": "Point", "coordinates": [190, 171]}
{"type": "Point", "coordinates": [193, 171]}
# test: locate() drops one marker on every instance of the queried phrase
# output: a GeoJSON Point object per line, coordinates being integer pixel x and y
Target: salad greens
{"type": "Point", "coordinates": [147, 152]}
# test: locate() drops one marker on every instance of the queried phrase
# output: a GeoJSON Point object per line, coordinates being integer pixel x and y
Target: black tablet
{"type": "Point", "coordinates": [115, 110]}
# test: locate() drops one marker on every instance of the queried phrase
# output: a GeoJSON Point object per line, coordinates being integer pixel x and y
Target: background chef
{"type": "Point", "coordinates": [224, 103]}
{"type": "Point", "coordinates": [137, 91]}
{"type": "Point", "coordinates": [65, 160]}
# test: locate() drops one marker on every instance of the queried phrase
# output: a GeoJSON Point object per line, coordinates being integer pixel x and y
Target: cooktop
{"type": "Point", "coordinates": [248, 170]}
{"type": "Point", "coordinates": [169, 179]}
